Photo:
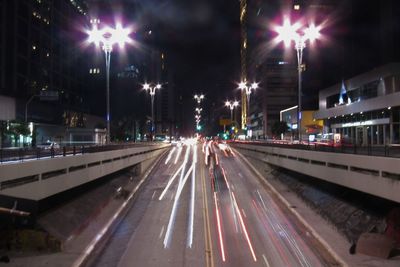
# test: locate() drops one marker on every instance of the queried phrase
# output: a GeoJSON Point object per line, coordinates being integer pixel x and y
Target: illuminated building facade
{"type": "Point", "coordinates": [367, 111]}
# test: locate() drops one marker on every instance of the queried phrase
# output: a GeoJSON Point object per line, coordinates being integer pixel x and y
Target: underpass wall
{"type": "Point", "coordinates": [378, 176]}
{"type": "Point", "coordinates": [351, 212]}
{"type": "Point", "coordinates": [32, 181]}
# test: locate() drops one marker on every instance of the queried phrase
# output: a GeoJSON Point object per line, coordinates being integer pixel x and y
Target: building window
{"type": "Point", "coordinates": [332, 100]}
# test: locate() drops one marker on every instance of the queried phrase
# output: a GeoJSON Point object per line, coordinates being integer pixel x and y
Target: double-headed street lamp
{"type": "Point", "coordinates": [198, 118]}
{"type": "Point", "coordinates": [152, 91]}
{"type": "Point", "coordinates": [106, 38]}
{"type": "Point", "coordinates": [199, 98]}
{"type": "Point", "coordinates": [289, 33]}
{"type": "Point", "coordinates": [231, 105]}
{"type": "Point", "coordinates": [248, 88]}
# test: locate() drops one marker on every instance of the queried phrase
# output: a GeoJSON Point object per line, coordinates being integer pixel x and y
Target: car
{"type": "Point", "coordinates": [49, 145]}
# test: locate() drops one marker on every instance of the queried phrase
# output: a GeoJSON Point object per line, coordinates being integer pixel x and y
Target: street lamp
{"type": "Point", "coordinates": [288, 33]}
{"type": "Point", "coordinates": [199, 98]}
{"type": "Point", "coordinates": [198, 110]}
{"type": "Point", "coordinates": [231, 105]}
{"type": "Point", "coordinates": [106, 38]}
{"type": "Point", "coordinates": [152, 91]}
{"type": "Point", "coordinates": [248, 87]}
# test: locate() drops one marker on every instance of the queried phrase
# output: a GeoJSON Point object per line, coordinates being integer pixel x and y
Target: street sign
{"type": "Point", "coordinates": [223, 122]}
{"type": "Point", "coordinates": [48, 95]}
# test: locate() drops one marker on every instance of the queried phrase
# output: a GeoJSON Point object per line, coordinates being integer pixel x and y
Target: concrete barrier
{"type": "Point", "coordinates": [39, 179]}
{"type": "Point", "coordinates": [377, 176]}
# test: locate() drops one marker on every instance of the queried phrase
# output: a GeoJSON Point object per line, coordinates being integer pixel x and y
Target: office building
{"type": "Point", "coordinates": [364, 110]}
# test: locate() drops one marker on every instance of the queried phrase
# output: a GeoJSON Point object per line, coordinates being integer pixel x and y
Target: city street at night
{"type": "Point", "coordinates": [199, 133]}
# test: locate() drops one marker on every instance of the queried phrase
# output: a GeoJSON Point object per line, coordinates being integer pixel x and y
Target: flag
{"type": "Point", "coordinates": [343, 92]}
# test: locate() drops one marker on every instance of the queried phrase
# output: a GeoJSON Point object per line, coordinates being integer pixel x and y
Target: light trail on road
{"type": "Point", "coordinates": [192, 198]}
{"type": "Point", "coordinates": [169, 155]}
{"type": "Point", "coordinates": [245, 225]}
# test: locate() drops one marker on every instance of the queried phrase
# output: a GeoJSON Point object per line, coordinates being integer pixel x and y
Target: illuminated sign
{"type": "Point", "coordinates": [361, 123]}
{"type": "Point", "coordinates": [358, 123]}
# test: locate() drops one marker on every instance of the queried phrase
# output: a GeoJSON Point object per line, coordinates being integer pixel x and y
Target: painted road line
{"type": "Point", "coordinates": [162, 231]}
{"type": "Point", "coordinates": [244, 214]}
{"type": "Point", "coordinates": [207, 231]}
{"type": "Point", "coordinates": [265, 260]}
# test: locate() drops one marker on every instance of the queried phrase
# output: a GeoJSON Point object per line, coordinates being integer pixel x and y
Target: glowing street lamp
{"type": "Point", "coordinates": [198, 110]}
{"type": "Point", "coordinates": [199, 98]}
{"type": "Point", "coordinates": [152, 91]}
{"type": "Point", "coordinates": [231, 105]}
{"type": "Point", "coordinates": [289, 33]}
{"type": "Point", "coordinates": [106, 38]}
{"type": "Point", "coordinates": [247, 88]}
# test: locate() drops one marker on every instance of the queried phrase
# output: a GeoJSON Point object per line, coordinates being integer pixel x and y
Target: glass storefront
{"type": "Point", "coordinates": [376, 128]}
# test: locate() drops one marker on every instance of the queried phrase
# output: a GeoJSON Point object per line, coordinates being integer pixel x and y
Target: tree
{"type": "Point", "coordinates": [18, 128]}
{"type": "Point", "coordinates": [279, 127]}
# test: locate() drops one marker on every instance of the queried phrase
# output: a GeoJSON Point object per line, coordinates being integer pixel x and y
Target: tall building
{"type": "Point", "coordinates": [165, 100]}
{"type": "Point", "coordinates": [40, 63]}
{"type": "Point", "coordinates": [275, 70]}
{"type": "Point", "coordinates": [39, 54]}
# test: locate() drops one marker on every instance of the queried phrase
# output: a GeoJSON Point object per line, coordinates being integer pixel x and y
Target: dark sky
{"type": "Point", "coordinates": [202, 43]}
{"type": "Point", "coordinates": [202, 40]}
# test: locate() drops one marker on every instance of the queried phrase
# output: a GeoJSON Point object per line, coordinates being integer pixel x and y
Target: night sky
{"type": "Point", "coordinates": [202, 44]}
{"type": "Point", "coordinates": [202, 40]}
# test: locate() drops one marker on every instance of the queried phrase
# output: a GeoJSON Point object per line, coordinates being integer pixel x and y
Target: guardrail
{"type": "Point", "coordinates": [391, 150]}
{"type": "Point", "coordinates": [21, 154]}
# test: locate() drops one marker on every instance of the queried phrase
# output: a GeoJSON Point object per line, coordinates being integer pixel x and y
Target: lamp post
{"type": "Point", "coordinates": [152, 91]}
{"type": "Point", "coordinates": [231, 105]}
{"type": "Point", "coordinates": [199, 98]}
{"type": "Point", "coordinates": [247, 88]}
{"type": "Point", "coordinates": [288, 33]}
{"type": "Point", "coordinates": [106, 38]}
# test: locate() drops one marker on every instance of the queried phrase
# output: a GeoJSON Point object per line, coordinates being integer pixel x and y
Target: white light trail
{"type": "Point", "coordinates": [192, 197]}
{"type": "Point", "coordinates": [171, 222]}
{"type": "Point", "coordinates": [178, 154]}
{"type": "Point", "coordinates": [221, 242]}
{"type": "Point", "coordinates": [170, 182]}
{"type": "Point", "coordinates": [169, 155]}
{"type": "Point", "coordinates": [244, 228]}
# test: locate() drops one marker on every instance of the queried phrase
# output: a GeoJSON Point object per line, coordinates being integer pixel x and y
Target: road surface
{"type": "Point", "coordinates": [202, 206]}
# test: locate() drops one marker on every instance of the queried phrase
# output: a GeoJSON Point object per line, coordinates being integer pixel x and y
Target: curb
{"type": "Point", "coordinates": [106, 232]}
{"type": "Point", "coordinates": [298, 215]}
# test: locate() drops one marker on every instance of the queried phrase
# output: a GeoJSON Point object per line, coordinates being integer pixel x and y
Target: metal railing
{"type": "Point", "coordinates": [391, 150]}
{"type": "Point", "coordinates": [21, 154]}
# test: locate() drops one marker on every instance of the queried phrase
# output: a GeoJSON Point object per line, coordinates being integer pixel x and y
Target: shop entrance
{"type": "Point", "coordinates": [360, 136]}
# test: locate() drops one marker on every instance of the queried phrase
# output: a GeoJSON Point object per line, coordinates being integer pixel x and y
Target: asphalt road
{"type": "Point", "coordinates": [202, 206]}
